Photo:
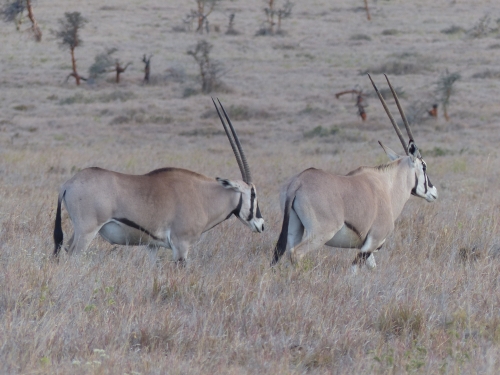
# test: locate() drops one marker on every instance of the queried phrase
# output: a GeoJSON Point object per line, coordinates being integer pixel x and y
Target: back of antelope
{"type": "Point", "coordinates": [168, 207]}
{"type": "Point", "coordinates": [357, 210]}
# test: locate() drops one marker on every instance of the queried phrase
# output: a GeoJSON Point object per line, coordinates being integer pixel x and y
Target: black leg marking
{"type": "Point", "coordinates": [180, 263]}
{"type": "Point", "coordinates": [361, 258]}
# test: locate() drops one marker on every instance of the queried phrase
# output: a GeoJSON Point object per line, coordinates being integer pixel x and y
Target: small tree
{"type": "Point", "coordinates": [119, 69]}
{"type": "Point", "coordinates": [360, 101]}
{"type": "Point", "coordinates": [272, 14]}
{"type": "Point", "coordinates": [230, 27]}
{"type": "Point", "coordinates": [210, 71]}
{"type": "Point", "coordinates": [204, 8]}
{"type": "Point", "coordinates": [13, 11]}
{"type": "Point", "coordinates": [68, 33]}
{"type": "Point", "coordinates": [445, 90]}
{"type": "Point", "coordinates": [103, 63]}
{"type": "Point", "coordinates": [147, 67]}
{"type": "Point", "coordinates": [34, 25]}
{"type": "Point", "coordinates": [368, 17]}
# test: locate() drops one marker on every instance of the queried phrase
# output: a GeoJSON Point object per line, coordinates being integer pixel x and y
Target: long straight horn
{"type": "Point", "coordinates": [407, 125]}
{"type": "Point", "coordinates": [231, 142]}
{"type": "Point", "coordinates": [248, 175]}
{"type": "Point", "coordinates": [384, 104]}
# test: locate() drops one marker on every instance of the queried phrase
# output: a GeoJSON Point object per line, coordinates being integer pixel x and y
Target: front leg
{"type": "Point", "coordinates": [365, 256]}
{"type": "Point", "coordinates": [180, 250]}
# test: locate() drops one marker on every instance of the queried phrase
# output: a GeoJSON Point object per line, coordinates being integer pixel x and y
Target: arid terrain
{"type": "Point", "coordinates": [432, 305]}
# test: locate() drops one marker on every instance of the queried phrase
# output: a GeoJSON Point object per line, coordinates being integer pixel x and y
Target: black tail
{"type": "Point", "coordinates": [280, 248]}
{"type": "Point", "coordinates": [58, 233]}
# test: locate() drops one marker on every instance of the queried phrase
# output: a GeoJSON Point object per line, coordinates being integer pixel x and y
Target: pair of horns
{"type": "Point", "coordinates": [396, 127]}
{"type": "Point", "coordinates": [235, 144]}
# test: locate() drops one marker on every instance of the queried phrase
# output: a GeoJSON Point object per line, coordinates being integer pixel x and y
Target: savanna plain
{"type": "Point", "coordinates": [432, 305]}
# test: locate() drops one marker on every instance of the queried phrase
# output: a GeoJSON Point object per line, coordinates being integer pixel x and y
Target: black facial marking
{"type": "Point", "coordinates": [425, 175]}
{"type": "Point", "coordinates": [414, 190]}
{"type": "Point", "coordinates": [429, 181]}
{"type": "Point", "coordinates": [252, 198]}
{"type": "Point", "coordinates": [130, 223]}
{"type": "Point", "coordinates": [237, 210]}
{"type": "Point", "coordinates": [351, 227]}
{"type": "Point", "coordinates": [259, 215]}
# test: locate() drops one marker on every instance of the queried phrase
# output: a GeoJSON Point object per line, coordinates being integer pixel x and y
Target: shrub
{"type": "Point", "coordinates": [69, 36]}
{"type": "Point", "coordinates": [320, 131]}
{"type": "Point", "coordinates": [210, 70]}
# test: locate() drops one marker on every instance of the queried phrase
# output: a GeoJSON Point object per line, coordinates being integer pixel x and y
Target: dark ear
{"type": "Point", "coordinates": [413, 150]}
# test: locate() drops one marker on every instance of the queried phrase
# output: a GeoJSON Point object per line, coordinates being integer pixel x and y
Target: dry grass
{"type": "Point", "coordinates": [432, 304]}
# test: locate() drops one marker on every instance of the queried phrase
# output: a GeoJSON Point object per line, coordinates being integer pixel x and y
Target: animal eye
{"type": "Point", "coordinates": [252, 193]}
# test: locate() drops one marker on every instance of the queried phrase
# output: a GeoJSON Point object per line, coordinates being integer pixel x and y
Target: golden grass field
{"type": "Point", "coordinates": [432, 305]}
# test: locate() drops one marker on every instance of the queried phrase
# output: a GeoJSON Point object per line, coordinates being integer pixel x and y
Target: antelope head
{"type": "Point", "coordinates": [423, 187]}
{"type": "Point", "coordinates": [248, 210]}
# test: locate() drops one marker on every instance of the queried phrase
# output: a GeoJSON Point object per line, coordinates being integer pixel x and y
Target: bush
{"type": "Point", "coordinates": [360, 37]}
{"type": "Point", "coordinates": [210, 70]}
{"type": "Point", "coordinates": [452, 30]}
{"type": "Point", "coordinates": [397, 68]}
{"type": "Point", "coordinates": [320, 131]}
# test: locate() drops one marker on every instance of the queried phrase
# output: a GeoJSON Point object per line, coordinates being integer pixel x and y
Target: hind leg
{"type": "Point", "coordinates": [153, 253]}
{"type": "Point", "coordinates": [295, 231]}
{"type": "Point", "coordinates": [80, 240]}
{"type": "Point", "coordinates": [70, 243]}
{"type": "Point", "coordinates": [180, 250]}
{"type": "Point", "coordinates": [308, 243]}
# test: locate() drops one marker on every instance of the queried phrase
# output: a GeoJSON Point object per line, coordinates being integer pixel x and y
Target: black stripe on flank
{"type": "Point", "coordinates": [130, 223]}
{"type": "Point", "coordinates": [351, 227]}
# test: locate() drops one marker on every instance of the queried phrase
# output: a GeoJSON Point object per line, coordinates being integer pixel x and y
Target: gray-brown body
{"type": "Point", "coordinates": [353, 211]}
{"type": "Point", "coordinates": [169, 207]}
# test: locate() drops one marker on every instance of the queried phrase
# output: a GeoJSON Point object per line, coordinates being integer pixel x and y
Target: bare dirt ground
{"type": "Point", "coordinates": [431, 306]}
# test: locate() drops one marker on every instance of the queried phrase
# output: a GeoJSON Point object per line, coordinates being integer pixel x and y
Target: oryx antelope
{"type": "Point", "coordinates": [169, 207]}
{"type": "Point", "coordinates": [357, 210]}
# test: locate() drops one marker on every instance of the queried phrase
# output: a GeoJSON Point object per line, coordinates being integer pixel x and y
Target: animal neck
{"type": "Point", "coordinates": [229, 203]}
{"type": "Point", "coordinates": [400, 182]}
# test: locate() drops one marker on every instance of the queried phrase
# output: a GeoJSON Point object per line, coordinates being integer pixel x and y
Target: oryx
{"type": "Point", "coordinates": [357, 210]}
{"type": "Point", "coordinates": [168, 207]}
